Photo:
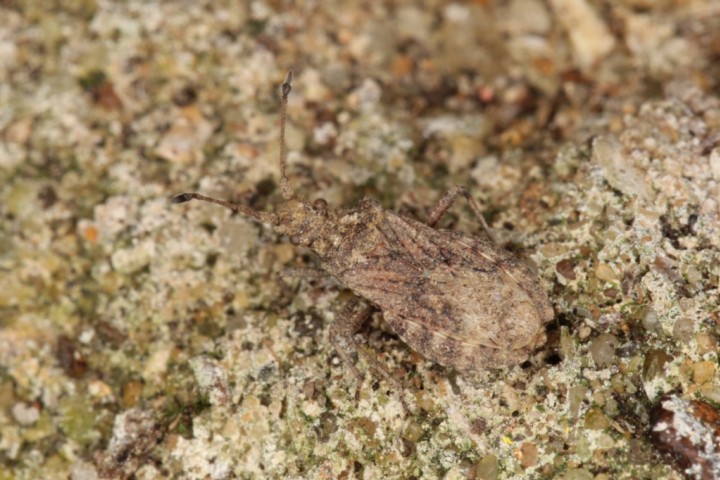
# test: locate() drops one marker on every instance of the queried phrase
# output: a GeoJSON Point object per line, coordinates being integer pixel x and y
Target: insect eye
{"type": "Point", "coordinates": [295, 239]}
{"type": "Point", "coordinates": [320, 205]}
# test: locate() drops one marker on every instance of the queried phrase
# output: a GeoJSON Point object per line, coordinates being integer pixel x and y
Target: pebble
{"type": "Point", "coordinates": [83, 471]}
{"type": "Point", "coordinates": [133, 259]}
{"type": "Point", "coordinates": [605, 273]}
{"type": "Point", "coordinates": [211, 379]}
{"type": "Point", "coordinates": [687, 431]}
{"type": "Point", "coordinates": [25, 414]}
{"type": "Point", "coordinates": [619, 172]}
{"type": "Point", "coordinates": [590, 38]}
{"type": "Point", "coordinates": [602, 349]}
{"type": "Point", "coordinates": [488, 468]}
{"type": "Point", "coordinates": [703, 371]}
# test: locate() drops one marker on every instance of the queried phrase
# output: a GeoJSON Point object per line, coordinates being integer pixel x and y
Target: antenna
{"type": "Point", "coordinates": [286, 87]}
{"type": "Point", "coordinates": [285, 189]}
{"type": "Point", "coordinates": [266, 217]}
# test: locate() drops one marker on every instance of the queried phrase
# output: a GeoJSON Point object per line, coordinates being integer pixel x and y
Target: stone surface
{"type": "Point", "coordinates": [143, 339]}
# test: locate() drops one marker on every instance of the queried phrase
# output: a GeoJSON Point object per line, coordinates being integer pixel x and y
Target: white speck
{"type": "Point", "coordinates": [324, 133]}
{"type": "Point", "coordinates": [86, 336]}
{"type": "Point", "coordinates": [456, 13]}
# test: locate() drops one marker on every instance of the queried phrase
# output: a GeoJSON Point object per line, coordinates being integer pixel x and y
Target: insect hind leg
{"type": "Point", "coordinates": [444, 204]}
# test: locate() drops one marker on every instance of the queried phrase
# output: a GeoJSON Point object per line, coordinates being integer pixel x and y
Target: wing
{"type": "Point", "coordinates": [442, 289]}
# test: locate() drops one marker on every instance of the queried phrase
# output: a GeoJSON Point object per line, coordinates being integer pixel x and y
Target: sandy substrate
{"type": "Point", "coordinates": [140, 339]}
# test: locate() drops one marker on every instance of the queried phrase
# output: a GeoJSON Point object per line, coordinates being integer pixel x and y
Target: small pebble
{"type": "Point", "coordinates": [488, 468]}
{"type": "Point", "coordinates": [703, 371]}
{"type": "Point", "coordinates": [25, 414]}
{"type": "Point", "coordinates": [602, 349]}
{"type": "Point", "coordinates": [688, 432]}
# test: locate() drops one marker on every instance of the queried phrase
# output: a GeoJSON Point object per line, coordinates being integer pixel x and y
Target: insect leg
{"type": "Point", "coordinates": [446, 202]}
{"type": "Point", "coordinates": [342, 336]}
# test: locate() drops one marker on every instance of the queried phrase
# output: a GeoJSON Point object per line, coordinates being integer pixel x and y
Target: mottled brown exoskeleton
{"type": "Point", "coordinates": [459, 300]}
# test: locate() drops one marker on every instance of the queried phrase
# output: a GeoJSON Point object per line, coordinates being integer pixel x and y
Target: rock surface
{"type": "Point", "coordinates": [143, 339]}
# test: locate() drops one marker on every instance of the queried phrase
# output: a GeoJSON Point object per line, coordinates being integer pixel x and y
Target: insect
{"type": "Point", "coordinates": [457, 299]}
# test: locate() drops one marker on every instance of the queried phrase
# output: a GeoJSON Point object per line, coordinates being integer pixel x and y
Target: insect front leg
{"type": "Point", "coordinates": [446, 202]}
{"type": "Point", "coordinates": [342, 337]}
{"type": "Point", "coordinates": [342, 334]}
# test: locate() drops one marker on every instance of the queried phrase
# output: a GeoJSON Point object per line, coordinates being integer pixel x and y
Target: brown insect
{"type": "Point", "coordinates": [459, 300]}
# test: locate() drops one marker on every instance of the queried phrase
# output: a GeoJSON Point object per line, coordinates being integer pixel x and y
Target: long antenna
{"type": "Point", "coordinates": [266, 217]}
{"type": "Point", "coordinates": [284, 183]}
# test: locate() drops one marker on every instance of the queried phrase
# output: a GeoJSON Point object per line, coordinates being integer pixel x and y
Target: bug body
{"type": "Point", "coordinates": [459, 300]}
